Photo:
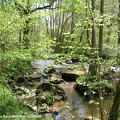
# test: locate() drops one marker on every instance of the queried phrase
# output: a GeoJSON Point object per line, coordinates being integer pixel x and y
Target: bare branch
{"type": "Point", "coordinates": [44, 7]}
{"type": "Point", "coordinates": [40, 8]}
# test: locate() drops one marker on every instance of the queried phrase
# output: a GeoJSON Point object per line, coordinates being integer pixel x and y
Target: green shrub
{"type": "Point", "coordinates": [8, 105]}
{"type": "Point", "coordinates": [15, 63]}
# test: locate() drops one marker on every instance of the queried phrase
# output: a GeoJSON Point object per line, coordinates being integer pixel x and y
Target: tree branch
{"type": "Point", "coordinates": [44, 7]}
{"type": "Point", "coordinates": [40, 8]}
{"type": "Point", "coordinates": [20, 8]}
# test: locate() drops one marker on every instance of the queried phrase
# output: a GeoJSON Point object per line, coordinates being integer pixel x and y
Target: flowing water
{"type": "Point", "coordinates": [79, 108]}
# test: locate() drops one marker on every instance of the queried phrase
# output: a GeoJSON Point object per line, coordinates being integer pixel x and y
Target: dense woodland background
{"type": "Point", "coordinates": [48, 29]}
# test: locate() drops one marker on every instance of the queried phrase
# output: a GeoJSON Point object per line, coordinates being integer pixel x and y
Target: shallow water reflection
{"type": "Point", "coordinates": [80, 108]}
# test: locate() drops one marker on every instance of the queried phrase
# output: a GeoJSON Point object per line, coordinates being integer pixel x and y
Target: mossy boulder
{"type": "Point", "coordinates": [71, 75]}
{"type": "Point", "coordinates": [49, 93]}
{"type": "Point", "coordinates": [55, 78]}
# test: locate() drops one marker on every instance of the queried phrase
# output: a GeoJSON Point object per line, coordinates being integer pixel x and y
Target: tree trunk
{"type": "Point", "coordinates": [26, 30]}
{"type": "Point", "coordinates": [114, 112]}
{"type": "Point", "coordinates": [93, 26]}
{"type": "Point", "coordinates": [119, 24]}
{"type": "Point", "coordinates": [88, 26]}
{"type": "Point", "coordinates": [101, 108]}
{"type": "Point", "coordinates": [108, 33]}
{"type": "Point", "coordinates": [93, 63]}
{"type": "Point", "coordinates": [26, 11]}
{"type": "Point", "coordinates": [72, 24]}
{"type": "Point", "coordinates": [101, 27]}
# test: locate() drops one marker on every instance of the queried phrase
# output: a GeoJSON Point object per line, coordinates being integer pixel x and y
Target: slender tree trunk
{"type": "Point", "coordinates": [100, 51]}
{"type": "Point", "coordinates": [72, 24]}
{"type": "Point", "coordinates": [26, 30]}
{"type": "Point", "coordinates": [81, 36]}
{"type": "Point", "coordinates": [101, 27]}
{"type": "Point", "coordinates": [119, 23]}
{"type": "Point", "coordinates": [47, 27]}
{"type": "Point", "coordinates": [93, 25]}
{"type": "Point", "coordinates": [114, 112]}
{"type": "Point", "coordinates": [88, 26]}
{"type": "Point", "coordinates": [108, 33]}
{"type": "Point", "coordinates": [102, 115]}
{"type": "Point", "coordinates": [93, 67]}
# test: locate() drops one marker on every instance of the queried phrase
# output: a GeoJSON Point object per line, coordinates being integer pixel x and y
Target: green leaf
{"type": "Point", "coordinates": [91, 101]}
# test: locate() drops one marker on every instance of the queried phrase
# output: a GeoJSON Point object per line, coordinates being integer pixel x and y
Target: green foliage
{"type": "Point", "coordinates": [108, 85]}
{"type": "Point", "coordinates": [44, 47]}
{"type": "Point", "coordinates": [48, 97]}
{"type": "Point", "coordinates": [15, 63]}
{"type": "Point", "coordinates": [91, 83]}
{"type": "Point", "coordinates": [118, 59]}
{"type": "Point", "coordinates": [76, 49]}
{"type": "Point", "coordinates": [73, 6]}
{"type": "Point", "coordinates": [8, 105]}
{"type": "Point", "coordinates": [93, 102]}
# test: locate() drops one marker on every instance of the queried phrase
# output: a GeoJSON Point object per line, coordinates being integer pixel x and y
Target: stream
{"type": "Point", "coordinates": [79, 108]}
